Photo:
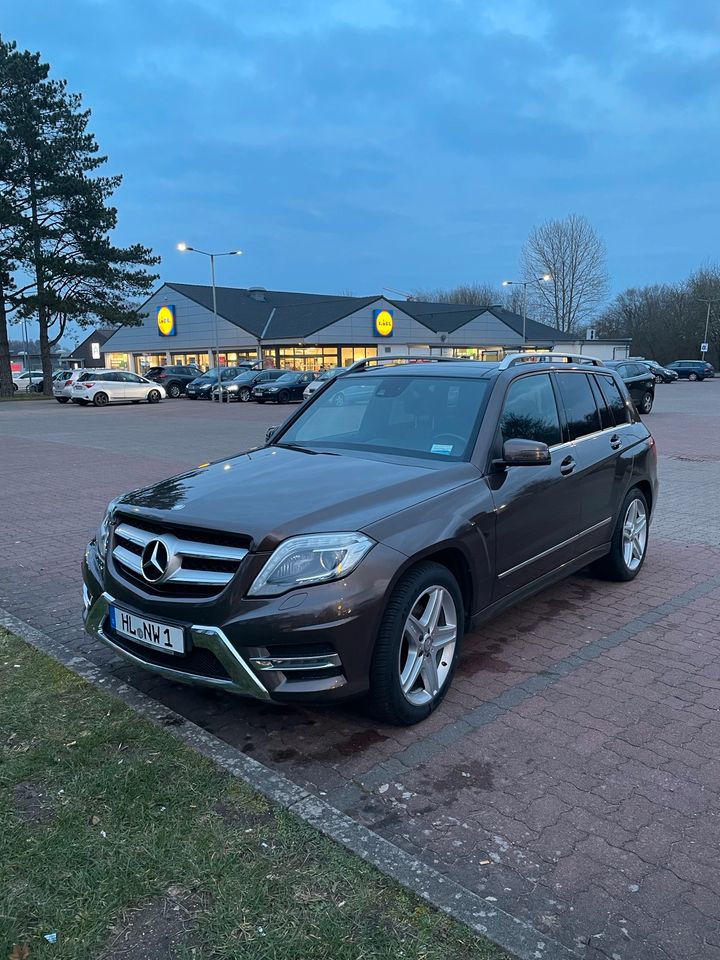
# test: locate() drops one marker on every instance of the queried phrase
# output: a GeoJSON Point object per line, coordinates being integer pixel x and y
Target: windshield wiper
{"type": "Point", "coordinates": [296, 446]}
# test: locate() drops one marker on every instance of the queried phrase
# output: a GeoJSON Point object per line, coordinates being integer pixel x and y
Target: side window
{"type": "Point", "coordinates": [109, 377]}
{"type": "Point", "coordinates": [615, 399]}
{"type": "Point", "coordinates": [580, 409]}
{"type": "Point", "coordinates": [606, 417]}
{"type": "Point", "coordinates": [530, 411]}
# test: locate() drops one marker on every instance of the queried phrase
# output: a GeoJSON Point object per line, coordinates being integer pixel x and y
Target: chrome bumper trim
{"type": "Point", "coordinates": [286, 664]}
{"type": "Point", "coordinates": [242, 680]}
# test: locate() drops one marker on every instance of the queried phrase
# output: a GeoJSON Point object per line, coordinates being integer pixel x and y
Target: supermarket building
{"type": "Point", "coordinates": [311, 331]}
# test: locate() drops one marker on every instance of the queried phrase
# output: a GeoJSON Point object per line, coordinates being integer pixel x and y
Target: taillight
{"type": "Point", "coordinates": [88, 385]}
{"type": "Point", "coordinates": [68, 383]}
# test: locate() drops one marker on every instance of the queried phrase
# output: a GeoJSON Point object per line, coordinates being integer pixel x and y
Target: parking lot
{"type": "Point", "coordinates": [572, 775]}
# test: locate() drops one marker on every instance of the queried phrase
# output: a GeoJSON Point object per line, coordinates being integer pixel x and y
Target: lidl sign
{"type": "Point", "coordinates": [166, 321]}
{"type": "Point", "coordinates": [383, 323]}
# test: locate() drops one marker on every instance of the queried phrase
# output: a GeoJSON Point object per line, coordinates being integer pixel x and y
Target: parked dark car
{"type": "Point", "coordinates": [349, 555]}
{"type": "Point", "coordinates": [639, 380]}
{"type": "Point", "coordinates": [174, 378]}
{"type": "Point", "coordinates": [288, 387]}
{"type": "Point", "coordinates": [241, 387]}
{"type": "Point", "coordinates": [201, 387]}
{"type": "Point", "coordinates": [661, 374]}
{"type": "Point", "coordinates": [692, 369]}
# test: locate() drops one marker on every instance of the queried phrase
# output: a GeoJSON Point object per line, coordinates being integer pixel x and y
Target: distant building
{"type": "Point", "coordinates": [89, 353]}
{"type": "Point", "coordinates": [309, 331]}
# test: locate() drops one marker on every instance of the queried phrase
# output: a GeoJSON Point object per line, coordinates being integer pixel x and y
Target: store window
{"type": "Point", "coordinates": [117, 361]}
{"type": "Point", "coordinates": [307, 358]}
{"type": "Point", "coordinates": [231, 358]}
{"type": "Point", "coordinates": [478, 353]}
{"type": "Point", "coordinates": [144, 361]}
{"type": "Point", "coordinates": [349, 355]}
{"type": "Point", "coordinates": [194, 359]}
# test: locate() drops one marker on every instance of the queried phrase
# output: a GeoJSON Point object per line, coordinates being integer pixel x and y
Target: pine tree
{"type": "Point", "coordinates": [55, 211]}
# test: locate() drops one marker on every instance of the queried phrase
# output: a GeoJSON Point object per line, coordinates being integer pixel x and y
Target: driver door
{"type": "Point", "coordinates": [536, 508]}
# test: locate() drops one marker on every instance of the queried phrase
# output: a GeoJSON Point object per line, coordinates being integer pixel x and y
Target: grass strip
{"type": "Point", "coordinates": [125, 843]}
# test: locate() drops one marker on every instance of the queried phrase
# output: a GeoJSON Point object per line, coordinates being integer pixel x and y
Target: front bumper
{"type": "Point", "coordinates": [311, 645]}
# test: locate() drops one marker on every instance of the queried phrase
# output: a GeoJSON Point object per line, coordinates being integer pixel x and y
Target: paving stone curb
{"type": "Point", "coordinates": [508, 932]}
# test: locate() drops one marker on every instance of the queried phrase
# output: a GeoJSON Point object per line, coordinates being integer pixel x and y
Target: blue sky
{"type": "Point", "coordinates": [346, 145]}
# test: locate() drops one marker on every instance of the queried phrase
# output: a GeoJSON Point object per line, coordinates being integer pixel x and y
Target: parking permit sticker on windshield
{"type": "Point", "coordinates": [445, 448]}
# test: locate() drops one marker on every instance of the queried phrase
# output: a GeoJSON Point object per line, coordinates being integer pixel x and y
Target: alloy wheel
{"type": "Point", "coordinates": [634, 535]}
{"type": "Point", "coordinates": [428, 645]}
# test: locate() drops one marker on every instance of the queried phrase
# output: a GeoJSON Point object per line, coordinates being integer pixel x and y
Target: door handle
{"type": "Point", "coordinates": [567, 466]}
{"type": "Point", "coordinates": [615, 442]}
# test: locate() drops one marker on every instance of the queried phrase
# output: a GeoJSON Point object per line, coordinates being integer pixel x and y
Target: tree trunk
{"type": "Point", "coordinates": [45, 358]}
{"type": "Point", "coordinates": [6, 384]}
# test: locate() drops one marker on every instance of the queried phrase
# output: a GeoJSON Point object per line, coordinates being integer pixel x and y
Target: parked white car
{"type": "Point", "coordinates": [101, 387]}
{"type": "Point", "coordinates": [23, 380]}
{"type": "Point", "coordinates": [330, 374]}
{"type": "Point", "coordinates": [63, 384]}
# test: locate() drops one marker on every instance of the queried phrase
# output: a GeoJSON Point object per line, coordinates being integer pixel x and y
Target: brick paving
{"type": "Point", "coordinates": [571, 777]}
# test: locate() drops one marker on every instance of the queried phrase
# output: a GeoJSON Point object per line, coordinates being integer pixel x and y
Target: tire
{"type": "Point", "coordinates": [692, 376]}
{"type": "Point", "coordinates": [173, 390]}
{"type": "Point", "coordinates": [15, 386]}
{"type": "Point", "coordinates": [659, 379]}
{"type": "Point", "coordinates": [615, 565]}
{"type": "Point", "coordinates": [62, 399]}
{"type": "Point", "coordinates": [283, 396]}
{"type": "Point", "coordinates": [101, 399]}
{"type": "Point", "coordinates": [244, 395]}
{"type": "Point", "coordinates": [646, 404]}
{"type": "Point", "coordinates": [154, 396]}
{"type": "Point", "coordinates": [393, 653]}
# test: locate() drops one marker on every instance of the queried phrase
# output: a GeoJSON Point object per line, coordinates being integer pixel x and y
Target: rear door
{"type": "Point", "coordinates": [537, 511]}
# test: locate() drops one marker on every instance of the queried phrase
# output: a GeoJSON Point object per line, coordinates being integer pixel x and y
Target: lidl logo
{"type": "Point", "coordinates": [166, 321]}
{"type": "Point", "coordinates": [383, 323]}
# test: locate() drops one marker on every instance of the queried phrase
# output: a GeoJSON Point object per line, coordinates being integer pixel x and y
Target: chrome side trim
{"type": "Point", "coordinates": [242, 679]}
{"type": "Point", "coordinates": [559, 546]}
{"type": "Point", "coordinates": [296, 663]}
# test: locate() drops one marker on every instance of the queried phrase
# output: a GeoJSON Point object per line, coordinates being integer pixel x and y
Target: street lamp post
{"type": "Point", "coordinates": [709, 303]}
{"type": "Point", "coordinates": [524, 284]}
{"type": "Point", "coordinates": [184, 248]}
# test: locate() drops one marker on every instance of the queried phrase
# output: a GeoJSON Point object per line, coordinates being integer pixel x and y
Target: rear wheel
{"type": "Point", "coordinates": [174, 390]}
{"type": "Point", "coordinates": [646, 404]}
{"type": "Point", "coordinates": [658, 378]}
{"type": "Point", "coordinates": [283, 396]}
{"type": "Point", "coordinates": [417, 646]}
{"type": "Point", "coordinates": [629, 543]}
{"type": "Point", "coordinates": [154, 396]}
{"type": "Point", "coordinates": [244, 394]}
{"type": "Point", "coordinates": [692, 376]}
{"type": "Point", "coordinates": [101, 399]}
{"type": "Point", "coordinates": [62, 399]}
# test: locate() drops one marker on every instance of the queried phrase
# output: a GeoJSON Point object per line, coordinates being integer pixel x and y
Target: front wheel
{"type": "Point", "coordinates": [646, 404]}
{"type": "Point", "coordinates": [693, 376]}
{"type": "Point", "coordinates": [658, 378]}
{"type": "Point", "coordinates": [417, 646]}
{"type": "Point", "coordinates": [244, 394]}
{"type": "Point", "coordinates": [174, 390]}
{"type": "Point", "coordinates": [101, 399]}
{"type": "Point", "coordinates": [628, 547]}
{"type": "Point", "coordinates": [154, 396]}
{"type": "Point", "coordinates": [62, 399]}
{"type": "Point", "coordinates": [283, 396]}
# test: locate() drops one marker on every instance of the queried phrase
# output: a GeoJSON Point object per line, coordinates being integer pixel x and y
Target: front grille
{"type": "Point", "coordinates": [199, 563]}
{"type": "Point", "coordinates": [198, 660]}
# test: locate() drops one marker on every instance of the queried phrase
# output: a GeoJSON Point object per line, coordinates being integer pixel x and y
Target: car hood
{"type": "Point", "coordinates": [273, 493]}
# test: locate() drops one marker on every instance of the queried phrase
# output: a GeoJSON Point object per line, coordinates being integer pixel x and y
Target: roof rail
{"type": "Point", "coordinates": [547, 356]}
{"type": "Point", "coordinates": [400, 358]}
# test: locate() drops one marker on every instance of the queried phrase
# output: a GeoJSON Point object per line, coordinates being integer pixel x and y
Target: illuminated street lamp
{"type": "Point", "coordinates": [524, 284]}
{"type": "Point", "coordinates": [184, 248]}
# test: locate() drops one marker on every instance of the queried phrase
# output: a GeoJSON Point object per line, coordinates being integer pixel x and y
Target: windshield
{"type": "Point", "coordinates": [288, 378]}
{"type": "Point", "coordinates": [416, 416]}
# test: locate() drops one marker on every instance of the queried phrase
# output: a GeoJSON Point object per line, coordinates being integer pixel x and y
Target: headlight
{"type": "Point", "coordinates": [232, 388]}
{"type": "Point", "coordinates": [274, 389]}
{"type": "Point", "coordinates": [316, 558]}
{"type": "Point", "coordinates": [103, 534]}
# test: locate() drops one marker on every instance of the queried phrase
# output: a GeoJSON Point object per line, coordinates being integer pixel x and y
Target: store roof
{"type": "Point", "coordinates": [284, 315]}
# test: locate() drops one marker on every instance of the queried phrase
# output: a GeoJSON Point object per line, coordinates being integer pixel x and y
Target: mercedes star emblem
{"type": "Point", "coordinates": [155, 561]}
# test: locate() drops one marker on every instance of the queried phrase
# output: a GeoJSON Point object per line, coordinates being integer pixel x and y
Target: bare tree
{"type": "Point", "coordinates": [475, 294]}
{"type": "Point", "coordinates": [574, 255]}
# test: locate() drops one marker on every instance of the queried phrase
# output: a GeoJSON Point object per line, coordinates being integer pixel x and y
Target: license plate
{"type": "Point", "coordinates": [161, 636]}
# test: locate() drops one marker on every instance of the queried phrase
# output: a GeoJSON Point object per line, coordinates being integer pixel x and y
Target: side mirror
{"type": "Point", "coordinates": [270, 433]}
{"type": "Point", "coordinates": [525, 453]}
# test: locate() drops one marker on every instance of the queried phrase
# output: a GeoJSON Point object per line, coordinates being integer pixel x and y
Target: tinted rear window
{"type": "Point", "coordinates": [579, 402]}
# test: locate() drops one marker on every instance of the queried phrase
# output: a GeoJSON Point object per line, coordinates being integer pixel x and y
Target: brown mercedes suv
{"type": "Point", "coordinates": [400, 507]}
